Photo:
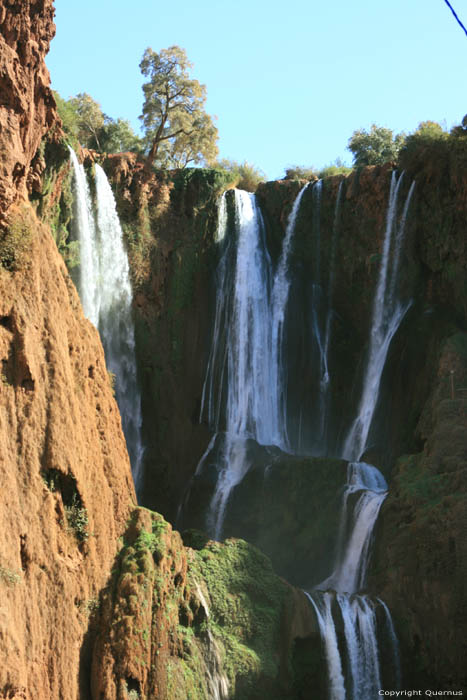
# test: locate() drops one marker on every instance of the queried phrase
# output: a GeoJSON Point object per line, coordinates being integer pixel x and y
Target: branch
{"type": "Point", "coordinates": [455, 15]}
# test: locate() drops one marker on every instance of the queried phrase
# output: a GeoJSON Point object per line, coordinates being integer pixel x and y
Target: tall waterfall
{"type": "Point", "coordinates": [280, 296]}
{"type": "Point", "coordinates": [367, 488]}
{"type": "Point", "coordinates": [243, 312]}
{"type": "Point", "coordinates": [245, 390]}
{"type": "Point", "coordinates": [388, 312]}
{"type": "Point", "coordinates": [356, 612]}
{"type": "Point", "coordinates": [87, 236]}
{"type": "Point", "coordinates": [245, 397]}
{"type": "Point", "coordinates": [106, 295]}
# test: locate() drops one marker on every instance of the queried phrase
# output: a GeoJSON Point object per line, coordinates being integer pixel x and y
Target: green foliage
{"type": "Point", "coordinates": [90, 119]}
{"type": "Point", "coordinates": [178, 130]}
{"type": "Point", "coordinates": [246, 600]}
{"type": "Point", "coordinates": [15, 240]}
{"type": "Point", "coordinates": [70, 119]}
{"type": "Point", "coordinates": [428, 136]}
{"type": "Point", "coordinates": [117, 136]}
{"type": "Point", "coordinates": [245, 175]}
{"type": "Point", "coordinates": [9, 576]}
{"type": "Point", "coordinates": [77, 519]}
{"type": "Point", "coordinates": [336, 168]}
{"type": "Point", "coordinates": [299, 172]}
{"type": "Point", "coordinates": [85, 123]}
{"type": "Point", "coordinates": [375, 147]}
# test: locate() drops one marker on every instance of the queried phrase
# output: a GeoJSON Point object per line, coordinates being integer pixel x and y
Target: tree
{"type": "Point", "coordinates": [178, 130]}
{"type": "Point", "coordinates": [376, 146]}
{"type": "Point", "coordinates": [117, 136]}
{"type": "Point", "coordinates": [91, 119]}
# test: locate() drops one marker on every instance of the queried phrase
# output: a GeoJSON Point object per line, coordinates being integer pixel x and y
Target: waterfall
{"type": "Point", "coordinates": [116, 325]}
{"type": "Point", "coordinates": [246, 374]}
{"type": "Point", "coordinates": [280, 296]}
{"type": "Point", "coordinates": [322, 606]}
{"type": "Point", "coordinates": [388, 313]}
{"type": "Point", "coordinates": [106, 295]}
{"type": "Point", "coordinates": [367, 488]}
{"type": "Point", "coordinates": [86, 233]}
{"type": "Point", "coordinates": [353, 550]}
{"type": "Point", "coordinates": [244, 389]}
{"type": "Point", "coordinates": [325, 376]}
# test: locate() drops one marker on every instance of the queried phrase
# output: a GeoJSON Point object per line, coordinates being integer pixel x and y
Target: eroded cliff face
{"type": "Point", "coordinates": [27, 110]}
{"type": "Point", "coordinates": [64, 470]}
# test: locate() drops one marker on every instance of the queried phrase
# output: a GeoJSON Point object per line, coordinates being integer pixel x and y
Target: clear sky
{"type": "Point", "coordinates": [288, 81]}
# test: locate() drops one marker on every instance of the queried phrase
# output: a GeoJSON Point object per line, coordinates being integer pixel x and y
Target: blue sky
{"type": "Point", "coordinates": [288, 81]}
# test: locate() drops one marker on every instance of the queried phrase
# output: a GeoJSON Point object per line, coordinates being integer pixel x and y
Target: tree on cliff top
{"type": "Point", "coordinates": [178, 130]}
{"type": "Point", "coordinates": [376, 146]}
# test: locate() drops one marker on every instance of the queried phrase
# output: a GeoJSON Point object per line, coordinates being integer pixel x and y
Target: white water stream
{"type": "Point", "coordinates": [106, 295]}
{"type": "Point", "coordinates": [388, 312]}
{"type": "Point", "coordinates": [245, 394]}
{"type": "Point", "coordinates": [368, 488]}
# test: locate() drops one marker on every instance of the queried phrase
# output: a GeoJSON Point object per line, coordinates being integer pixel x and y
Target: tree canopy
{"type": "Point", "coordinates": [85, 123]}
{"type": "Point", "coordinates": [376, 146]}
{"type": "Point", "coordinates": [178, 130]}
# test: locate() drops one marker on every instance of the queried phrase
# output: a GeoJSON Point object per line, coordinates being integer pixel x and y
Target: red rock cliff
{"type": "Point", "coordinates": [64, 471]}
{"type": "Point", "coordinates": [27, 107]}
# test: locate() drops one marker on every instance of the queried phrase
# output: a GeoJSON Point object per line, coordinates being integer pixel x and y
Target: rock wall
{"type": "Point", "coordinates": [64, 469]}
{"type": "Point", "coordinates": [203, 621]}
{"type": "Point", "coordinates": [27, 107]}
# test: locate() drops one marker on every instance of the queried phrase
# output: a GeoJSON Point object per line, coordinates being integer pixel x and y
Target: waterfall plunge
{"type": "Point", "coordinates": [245, 374]}
{"type": "Point", "coordinates": [388, 313]}
{"type": "Point", "coordinates": [355, 533]}
{"type": "Point", "coordinates": [106, 295]}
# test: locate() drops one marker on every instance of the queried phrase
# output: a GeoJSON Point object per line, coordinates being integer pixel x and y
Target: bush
{"type": "Point", "coordinates": [15, 240]}
{"type": "Point", "coordinates": [246, 176]}
{"type": "Point", "coordinates": [298, 172]}
{"type": "Point", "coordinates": [77, 519]}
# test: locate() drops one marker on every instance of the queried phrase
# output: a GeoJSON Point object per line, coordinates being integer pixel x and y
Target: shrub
{"type": "Point", "coordinates": [10, 577]}
{"type": "Point", "coordinates": [15, 241]}
{"type": "Point", "coordinates": [77, 519]}
{"type": "Point", "coordinates": [298, 172]}
{"type": "Point", "coordinates": [246, 176]}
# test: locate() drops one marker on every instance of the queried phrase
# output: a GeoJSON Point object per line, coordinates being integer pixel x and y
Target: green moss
{"type": "Point", "coordinates": [246, 602]}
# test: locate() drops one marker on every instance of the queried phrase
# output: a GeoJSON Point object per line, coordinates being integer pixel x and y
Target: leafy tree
{"type": "Point", "coordinates": [428, 138]}
{"type": "Point", "coordinates": [85, 123]}
{"type": "Point", "coordinates": [375, 147]}
{"type": "Point", "coordinates": [69, 117]}
{"type": "Point", "coordinates": [91, 119]}
{"type": "Point", "coordinates": [178, 130]}
{"type": "Point", "coordinates": [117, 136]}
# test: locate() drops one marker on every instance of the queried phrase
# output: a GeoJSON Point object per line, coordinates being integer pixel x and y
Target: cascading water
{"type": "Point", "coordinates": [115, 320]}
{"type": "Point", "coordinates": [245, 395]}
{"type": "Point", "coordinates": [357, 612]}
{"type": "Point", "coordinates": [245, 374]}
{"type": "Point", "coordinates": [279, 299]}
{"type": "Point", "coordinates": [388, 313]}
{"type": "Point", "coordinates": [355, 533]}
{"type": "Point", "coordinates": [251, 409]}
{"type": "Point", "coordinates": [353, 553]}
{"type": "Point", "coordinates": [325, 378]}
{"type": "Point", "coordinates": [106, 295]}
{"type": "Point", "coordinates": [88, 285]}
